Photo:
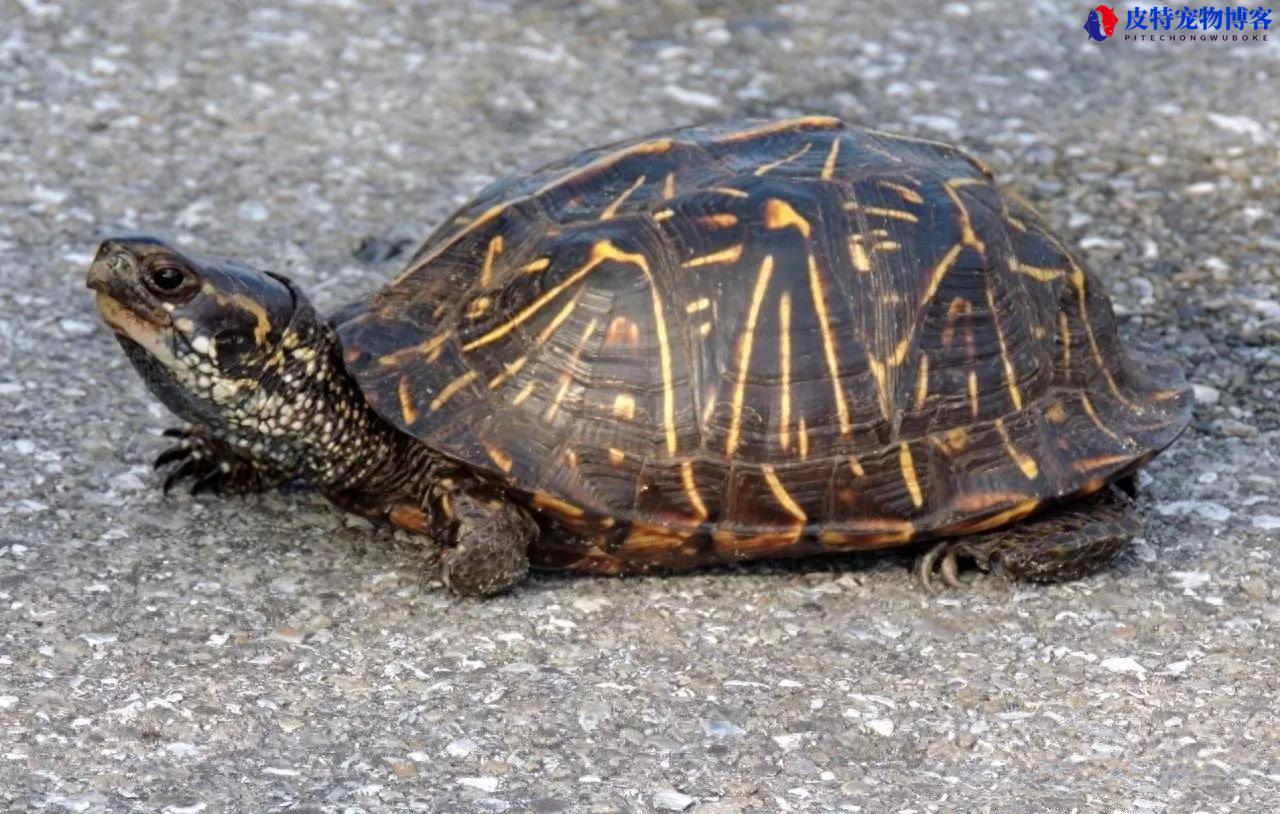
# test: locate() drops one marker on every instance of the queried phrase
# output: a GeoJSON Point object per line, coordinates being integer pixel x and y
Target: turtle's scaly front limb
{"type": "Point", "coordinates": [484, 536]}
{"type": "Point", "coordinates": [214, 465]}
{"type": "Point", "coordinates": [490, 539]}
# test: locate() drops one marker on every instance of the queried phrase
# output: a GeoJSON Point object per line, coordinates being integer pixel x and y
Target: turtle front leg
{"type": "Point", "coordinates": [490, 539]}
{"type": "Point", "coordinates": [485, 538]}
{"type": "Point", "coordinates": [1065, 543]}
{"type": "Point", "coordinates": [214, 465]}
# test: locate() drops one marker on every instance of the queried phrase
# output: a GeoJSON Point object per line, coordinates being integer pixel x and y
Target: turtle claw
{"type": "Point", "coordinates": [169, 456]}
{"type": "Point", "coordinates": [213, 465]}
{"type": "Point", "coordinates": [187, 467]}
{"type": "Point", "coordinates": [209, 482]}
{"type": "Point", "coordinates": [942, 557]}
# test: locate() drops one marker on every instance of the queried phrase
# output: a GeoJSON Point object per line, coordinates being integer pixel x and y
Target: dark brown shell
{"type": "Point", "coordinates": [778, 338]}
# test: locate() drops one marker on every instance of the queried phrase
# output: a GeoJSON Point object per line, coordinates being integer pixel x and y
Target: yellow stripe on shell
{"type": "Point", "coordinates": [769, 128]}
{"type": "Point", "coordinates": [491, 253]}
{"type": "Point", "coordinates": [717, 220]}
{"type": "Point", "coordinates": [730, 255]}
{"type": "Point", "coordinates": [624, 407]}
{"type": "Point", "coordinates": [744, 353]}
{"type": "Point", "coordinates": [408, 410]}
{"type": "Point", "coordinates": [499, 457]}
{"type": "Point", "coordinates": [1025, 462]}
{"type": "Point", "coordinates": [883, 212]}
{"type": "Point", "coordinates": [1003, 518]}
{"type": "Point", "coordinates": [940, 270]}
{"type": "Point", "coordinates": [783, 497]}
{"type": "Point", "coordinates": [1010, 375]}
{"type": "Point", "coordinates": [828, 344]}
{"type": "Point", "coordinates": [967, 235]}
{"type": "Point", "coordinates": [429, 348]}
{"type": "Point", "coordinates": [1044, 275]}
{"type": "Point", "coordinates": [554, 505]}
{"type": "Point", "coordinates": [908, 466]}
{"type": "Point", "coordinates": [691, 489]}
{"type": "Point", "coordinates": [1086, 465]}
{"type": "Point", "coordinates": [784, 363]}
{"type": "Point", "coordinates": [1078, 281]}
{"type": "Point", "coordinates": [566, 378]}
{"type": "Point", "coordinates": [829, 166]}
{"type": "Point", "coordinates": [881, 377]}
{"type": "Point", "coordinates": [452, 388]}
{"type": "Point", "coordinates": [551, 327]}
{"type": "Point", "coordinates": [764, 168]}
{"type": "Point", "coordinates": [655, 147]}
{"type": "Point", "coordinates": [858, 254]}
{"type": "Point", "coordinates": [779, 214]}
{"type": "Point", "coordinates": [1097, 421]}
{"type": "Point", "coordinates": [612, 209]}
{"type": "Point", "coordinates": [908, 194]}
{"type": "Point", "coordinates": [922, 381]}
{"type": "Point", "coordinates": [1064, 331]}
{"type": "Point", "coordinates": [524, 393]}
{"type": "Point", "coordinates": [669, 186]}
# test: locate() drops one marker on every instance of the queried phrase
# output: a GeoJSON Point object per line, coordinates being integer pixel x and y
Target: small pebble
{"type": "Point", "coordinates": [1205, 394]}
{"type": "Point", "coordinates": [669, 799]}
{"type": "Point", "coordinates": [881, 726]}
{"type": "Point", "coordinates": [462, 747]}
{"type": "Point", "coordinates": [486, 783]}
{"type": "Point", "coordinates": [76, 327]}
{"type": "Point", "coordinates": [1123, 664]}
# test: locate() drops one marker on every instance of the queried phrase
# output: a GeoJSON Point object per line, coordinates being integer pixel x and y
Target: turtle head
{"type": "Point", "coordinates": [204, 335]}
{"type": "Point", "coordinates": [241, 354]}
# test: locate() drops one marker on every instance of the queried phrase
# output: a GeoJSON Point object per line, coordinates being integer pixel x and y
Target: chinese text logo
{"type": "Point", "coordinates": [1185, 24]}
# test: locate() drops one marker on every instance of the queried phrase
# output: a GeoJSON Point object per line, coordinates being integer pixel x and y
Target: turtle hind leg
{"type": "Point", "coordinates": [1065, 543]}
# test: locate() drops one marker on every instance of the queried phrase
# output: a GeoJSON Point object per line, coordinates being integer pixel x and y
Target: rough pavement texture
{"type": "Point", "coordinates": [245, 655]}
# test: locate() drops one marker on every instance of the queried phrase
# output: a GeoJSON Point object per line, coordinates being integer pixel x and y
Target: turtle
{"type": "Point", "coordinates": [757, 339]}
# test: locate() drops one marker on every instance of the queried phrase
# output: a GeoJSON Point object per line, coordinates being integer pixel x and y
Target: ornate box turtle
{"type": "Point", "coordinates": [707, 345]}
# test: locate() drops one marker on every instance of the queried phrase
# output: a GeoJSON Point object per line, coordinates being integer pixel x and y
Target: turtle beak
{"type": "Point", "coordinates": [98, 277]}
{"type": "Point", "coordinates": [113, 270]}
{"type": "Point", "coordinates": [115, 267]}
{"type": "Point", "coordinates": [121, 302]}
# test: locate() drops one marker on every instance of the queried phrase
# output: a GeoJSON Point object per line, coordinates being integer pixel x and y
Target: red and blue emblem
{"type": "Point", "coordinates": [1101, 23]}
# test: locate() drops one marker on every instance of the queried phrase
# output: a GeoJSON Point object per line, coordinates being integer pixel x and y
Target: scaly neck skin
{"type": "Point", "coordinates": [307, 417]}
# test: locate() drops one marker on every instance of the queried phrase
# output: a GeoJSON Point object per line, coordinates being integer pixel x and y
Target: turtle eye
{"type": "Point", "coordinates": [169, 282]}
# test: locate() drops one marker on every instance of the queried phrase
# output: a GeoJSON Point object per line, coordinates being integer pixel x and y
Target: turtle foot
{"type": "Point", "coordinates": [1064, 543]}
{"type": "Point", "coordinates": [212, 465]}
{"type": "Point", "coordinates": [490, 547]}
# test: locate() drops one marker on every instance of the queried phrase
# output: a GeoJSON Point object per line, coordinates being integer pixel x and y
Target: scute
{"type": "Point", "coordinates": [773, 338]}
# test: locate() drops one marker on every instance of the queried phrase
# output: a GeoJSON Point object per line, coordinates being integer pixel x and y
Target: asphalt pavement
{"type": "Point", "coordinates": [270, 653]}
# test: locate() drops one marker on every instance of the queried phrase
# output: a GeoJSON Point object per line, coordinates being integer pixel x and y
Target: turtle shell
{"type": "Point", "coordinates": [775, 338]}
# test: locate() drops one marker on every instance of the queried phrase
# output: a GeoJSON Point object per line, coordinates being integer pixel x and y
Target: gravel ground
{"type": "Point", "coordinates": [244, 655]}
